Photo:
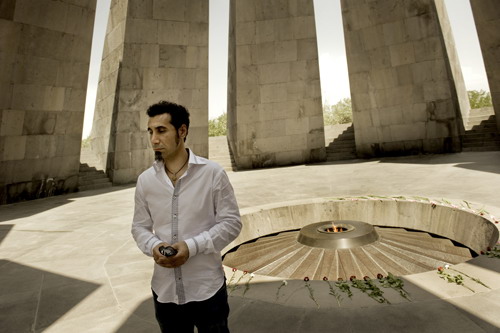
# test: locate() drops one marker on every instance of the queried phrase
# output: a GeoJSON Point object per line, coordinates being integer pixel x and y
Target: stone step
{"type": "Point", "coordinates": [89, 178]}
{"type": "Point", "coordinates": [480, 143]}
{"type": "Point", "coordinates": [481, 132]}
{"type": "Point", "coordinates": [479, 149]}
{"type": "Point", "coordinates": [330, 157]}
{"type": "Point", "coordinates": [333, 131]}
{"type": "Point", "coordinates": [486, 111]}
{"type": "Point", "coordinates": [483, 127]}
{"type": "Point", "coordinates": [94, 186]}
{"type": "Point", "coordinates": [84, 167]}
{"type": "Point", "coordinates": [91, 174]}
{"type": "Point", "coordinates": [341, 149]}
{"type": "Point", "coordinates": [480, 119]}
{"type": "Point", "coordinates": [346, 136]}
{"type": "Point", "coordinates": [93, 180]}
{"type": "Point", "coordinates": [218, 151]}
{"type": "Point", "coordinates": [335, 144]}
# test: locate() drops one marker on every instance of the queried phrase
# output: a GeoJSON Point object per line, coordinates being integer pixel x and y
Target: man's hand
{"type": "Point", "coordinates": [174, 261]}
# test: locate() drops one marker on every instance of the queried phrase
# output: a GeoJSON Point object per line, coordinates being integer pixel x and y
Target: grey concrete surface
{"type": "Point", "coordinates": [69, 263]}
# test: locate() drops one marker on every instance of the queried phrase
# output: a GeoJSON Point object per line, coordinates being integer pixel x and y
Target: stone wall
{"type": "Point", "coordinates": [403, 78]}
{"type": "Point", "coordinates": [154, 50]}
{"type": "Point", "coordinates": [406, 86]}
{"type": "Point", "coordinates": [487, 18]}
{"type": "Point", "coordinates": [274, 106]}
{"type": "Point", "coordinates": [44, 58]}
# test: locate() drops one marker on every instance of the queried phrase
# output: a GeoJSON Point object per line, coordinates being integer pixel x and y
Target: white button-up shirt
{"type": "Point", "coordinates": [201, 210]}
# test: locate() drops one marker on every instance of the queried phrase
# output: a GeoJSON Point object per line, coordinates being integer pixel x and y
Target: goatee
{"type": "Point", "coordinates": [158, 156]}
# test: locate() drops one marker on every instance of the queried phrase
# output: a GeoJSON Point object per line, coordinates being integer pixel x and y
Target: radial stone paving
{"type": "Point", "coordinates": [397, 251]}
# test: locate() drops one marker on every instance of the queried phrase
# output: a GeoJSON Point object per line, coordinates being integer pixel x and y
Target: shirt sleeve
{"type": "Point", "coordinates": [227, 220]}
{"type": "Point", "coordinates": [142, 224]}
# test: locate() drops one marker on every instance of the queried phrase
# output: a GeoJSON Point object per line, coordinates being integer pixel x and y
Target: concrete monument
{"type": "Point", "coordinates": [44, 59]}
{"type": "Point", "coordinates": [275, 114]}
{"type": "Point", "coordinates": [406, 86]}
{"type": "Point", "coordinates": [154, 50]}
{"type": "Point", "coordinates": [487, 17]}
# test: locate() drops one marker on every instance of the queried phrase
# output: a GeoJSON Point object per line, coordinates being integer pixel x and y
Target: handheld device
{"type": "Point", "coordinates": [167, 251]}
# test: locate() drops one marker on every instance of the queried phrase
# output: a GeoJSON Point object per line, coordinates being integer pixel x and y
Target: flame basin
{"type": "Point", "coordinates": [357, 234]}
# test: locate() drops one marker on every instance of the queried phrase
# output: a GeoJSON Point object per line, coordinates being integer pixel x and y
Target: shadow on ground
{"type": "Point", "coordinates": [142, 320]}
{"type": "Point", "coordinates": [271, 307]}
{"type": "Point", "coordinates": [29, 293]}
{"type": "Point", "coordinates": [476, 161]}
{"type": "Point", "coordinates": [33, 207]}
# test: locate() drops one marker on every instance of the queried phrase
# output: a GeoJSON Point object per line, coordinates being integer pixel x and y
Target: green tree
{"type": "Point", "coordinates": [340, 113]}
{"type": "Point", "coordinates": [218, 126]}
{"type": "Point", "coordinates": [479, 99]}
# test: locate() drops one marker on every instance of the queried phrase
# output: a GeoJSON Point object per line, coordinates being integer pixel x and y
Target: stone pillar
{"type": "Point", "coordinates": [44, 58]}
{"type": "Point", "coordinates": [154, 50]}
{"type": "Point", "coordinates": [487, 17]}
{"type": "Point", "coordinates": [275, 114]}
{"type": "Point", "coordinates": [406, 87]}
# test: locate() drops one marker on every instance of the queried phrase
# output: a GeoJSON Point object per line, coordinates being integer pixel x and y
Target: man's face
{"type": "Point", "coordinates": [163, 135]}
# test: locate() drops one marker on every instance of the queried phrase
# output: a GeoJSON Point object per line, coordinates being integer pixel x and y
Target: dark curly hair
{"type": "Point", "coordinates": [179, 115]}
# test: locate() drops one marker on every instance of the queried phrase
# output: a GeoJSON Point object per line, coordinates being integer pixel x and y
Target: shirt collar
{"type": "Point", "coordinates": [193, 159]}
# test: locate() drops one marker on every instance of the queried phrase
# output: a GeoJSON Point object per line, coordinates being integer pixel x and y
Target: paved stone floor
{"type": "Point", "coordinates": [69, 264]}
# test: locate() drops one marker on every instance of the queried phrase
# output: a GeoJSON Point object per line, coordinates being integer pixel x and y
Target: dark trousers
{"type": "Point", "coordinates": [209, 316]}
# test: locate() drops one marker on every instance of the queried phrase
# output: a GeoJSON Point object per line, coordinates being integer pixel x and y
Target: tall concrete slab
{"type": "Point", "coordinates": [487, 18]}
{"type": "Point", "coordinates": [407, 91]}
{"type": "Point", "coordinates": [154, 50]}
{"type": "Point", "coordinates": [44, 58]}
{"type": "Point", "coordinates": [275, 112]}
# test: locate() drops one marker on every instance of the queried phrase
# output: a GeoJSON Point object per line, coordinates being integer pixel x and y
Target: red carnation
{"type": "Point", "coordinates": [379, 276]}
{"type": "Point", "coordinates": [353, 277]}
{"type": "Point", "coordinates": [325, 278]}
{"type": "Point", "coordinates": [306, 279]}
{"type": "Point", "coordinates": [340, 279]}
{"type": "Point", "coordinates": [440, 269]}
{"type": "Point", "coordinates": [366, 278]}
{"type": "Point", "coordinates": [234, 269]}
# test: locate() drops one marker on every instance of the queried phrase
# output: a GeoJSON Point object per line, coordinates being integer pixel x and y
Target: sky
{"type": "Point", "coordinates": [331, 51]}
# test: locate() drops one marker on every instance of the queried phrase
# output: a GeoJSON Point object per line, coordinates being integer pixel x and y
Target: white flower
{"type": "Point", "coordinates": [285, 282]}
{"type": "Point", "coordinates": [252, 274]}
{"type": "Point", "coordinates": [446, 266]}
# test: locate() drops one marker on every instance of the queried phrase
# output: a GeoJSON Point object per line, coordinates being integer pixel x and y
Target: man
{"type": "Point", "coordinates": [186, 202]}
